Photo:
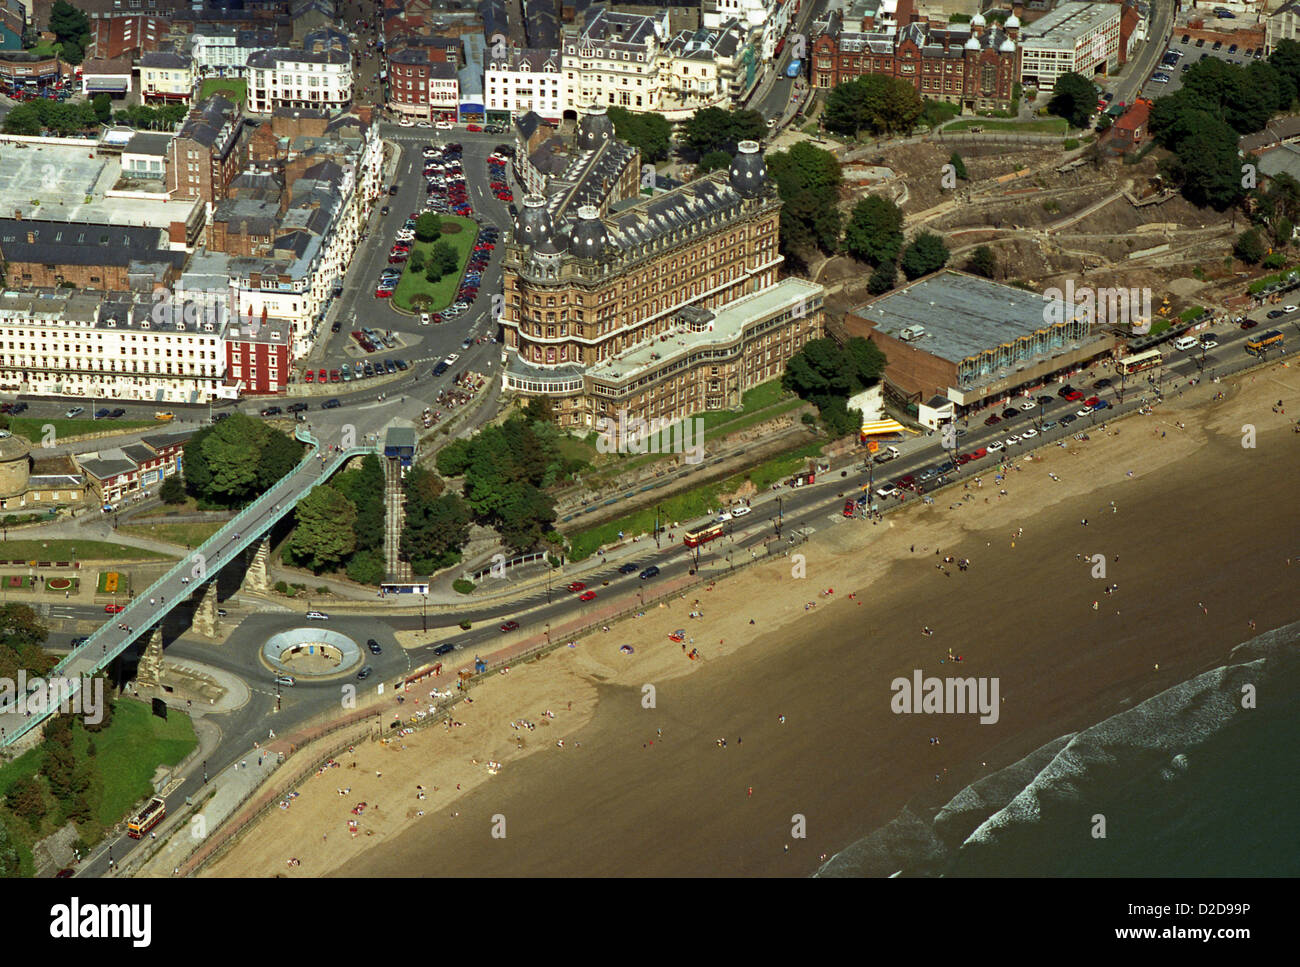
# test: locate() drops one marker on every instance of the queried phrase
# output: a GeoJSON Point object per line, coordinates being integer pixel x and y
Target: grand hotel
{"type": "Point", "coordinates": [662, 306]}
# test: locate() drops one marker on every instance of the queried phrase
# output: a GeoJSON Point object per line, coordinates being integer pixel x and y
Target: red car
{"type": "Point", "coordinates": [510, 626]}
{"type": "Point", "coordinates": [113, 608]}
{"type": "Point", "coordinates": [335, 377]}
{"type": "Point", "coordinates": [398, 258]}
{"type": "Point", "coordinates": [322, 377]}
{"type": "Point", "coordinates": [1073, 396]}
{"type": "Point", "coordinates": [310, 377]}
{"type": "Point", "coordinates": [379, 294]}
{"type": "Point", "coordinates": [473, 127]}
{"type": "Point", "coordinates": [850, 508]}
{"type": "Point", "coordinates": [1092, 401]}
{"type": "Point", "coordinates": [992, 420]}
{"type": "Point", "coordinates": [589, 596]}
{"type": "Point", "coordinates": [577, 586]}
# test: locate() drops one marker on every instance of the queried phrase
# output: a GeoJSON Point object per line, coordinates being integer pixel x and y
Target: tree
{"type": "Point", "coordinates": [416, 262]}
{"type": "Point", "coordinates": [539, 409]}
{"type": "Point", "coordinates": [713, 161]}
{"type": "Point", "coordinates": [432, 272]}
{"type": "Point", "coordinates": [172, 490]}
{"type": "Point", "coordinates": [958, 166]}
{"type": "Point", "coordinates": [324, 534]}
{"type": "Point", "coordinates": [983, 262]}
{"type": "Point", "coordinates": [1250, 247]}
{"type": "Point", "coordinates": [364, 487]}
{"type": "Point", "coordinates": [436, 525]}
{"type": "Point", "coordinates": [875, 231]}
{"type": "Point", "coordinates": [428, 227]}
{"type": "Point", "coordinates": [807, 179]}
{"type": "Point", "coordinates": [713, 129]}
{"type": "Point", "coordinates": [103, 106]}
{"type": "Point", "coordinates": [1073, 98]}
{"type": "Point", "coordinates": [453, 459]}
{"type": "Point", "coordinates": [883, 279]}
{"type": "Point", "coordinates": [1207, 165]}
{"type": "Point", "coordinates": [649, 132]}
{"type": "Point", "coordinates": [71, 28]}
{"type": "Point", "coordinates": [1283, 232]}
{"type": "Point", "coordinates": [926, 254]}
{"type": "Point", "coordinates": [26, 800]}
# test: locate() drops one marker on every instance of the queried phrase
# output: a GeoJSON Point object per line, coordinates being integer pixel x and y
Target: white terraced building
{"type": "Point", "coordinates": [1080, 38]}
{"type": "Point", "coordinates": [319, 76]}
{"type": "Point", "coordinates": [83, 345]}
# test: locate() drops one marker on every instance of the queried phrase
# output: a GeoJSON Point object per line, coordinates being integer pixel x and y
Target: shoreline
{"type": "Point", "coordinates": [780, 664]}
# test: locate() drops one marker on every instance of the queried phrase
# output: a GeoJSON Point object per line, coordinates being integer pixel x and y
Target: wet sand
{"type": "Point", "coordinates": [1202, 522]}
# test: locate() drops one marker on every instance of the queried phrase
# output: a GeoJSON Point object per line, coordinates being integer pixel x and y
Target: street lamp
{"type": "Point", "coordinates": [424, 615]}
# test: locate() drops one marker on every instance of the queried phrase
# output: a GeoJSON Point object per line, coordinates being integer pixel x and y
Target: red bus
{"type": "Point", "coordinates": [780, 46]}
{"type": "Point", "coordinates": [702, 535]}
{"type": "Point", "coordinates": [147, 818]}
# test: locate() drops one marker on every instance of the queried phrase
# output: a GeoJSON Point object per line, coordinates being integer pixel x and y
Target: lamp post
{"type": "Point", "coordinates": [424, 616]}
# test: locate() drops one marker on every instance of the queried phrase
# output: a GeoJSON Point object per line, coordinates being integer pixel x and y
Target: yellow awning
{"type": "Point", "coordinates": [881, 426]}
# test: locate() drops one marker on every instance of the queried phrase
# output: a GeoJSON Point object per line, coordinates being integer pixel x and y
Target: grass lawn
{"type": "Point", "coordinates": [189, 534]}
{"type": "Point", "coordinates": [86, 551]}
{"type": "Point", "coordinates": [131, 749]}
{"type": "Point", "coordinates": [34, 429]}
{"type": "Point", "coordinates": [442, 292]}
{"type": "Point", "coordinates": [232, 87]}
{"type": "Point", "coordinates": [122, 586]}
{"type": "Point", "coordinates": [188, 506]}
{"type": "Point", "coordinates": [1159, 326]}
{"type": "Point", "coordinates": [1047, 126]}
{"type": "Point", "coordinates": [1187, 315]}
{"type": "Point", "coordinates": [121, 770]}
{"type": "Point", "coordinates": [688, 506]}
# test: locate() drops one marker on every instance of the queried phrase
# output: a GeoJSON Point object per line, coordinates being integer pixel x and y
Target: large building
{"type": "Point", "coordinates": [319, 76]}
{"type": "Point", "coordinates": [659, 307]}
{"type": "Point", "coordinates": [518, 81]}
{"type": "Point", "coordinates": [166, 76]}
{"type": "Point", "coordinates": [112, 347]}
{"type": "Point", "coordinates": [614, 59]}
{"type": "Point", "coordinates": [975, 66]}
{"type": "Point", "coordinates": [208, 151]}
{"type": "Point", "coordinates": [83, 256]}
{"type": "Point", "coordinates": [974, 342]}
{"type": "Point", "coordinates": [1282, 24]}
{"type": "Point", "coordinates": [223, 51]}
{"type": "Point", "coordinates": [1079, 38]}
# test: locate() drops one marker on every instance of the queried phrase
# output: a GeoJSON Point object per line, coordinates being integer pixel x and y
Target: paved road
{"type": "Point", "coordinates": [152, 605]}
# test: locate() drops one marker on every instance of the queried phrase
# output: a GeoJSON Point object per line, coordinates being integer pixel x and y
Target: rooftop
{"type": "Point", "coordinates": [723, 328]}
{"type": "Point", "coordinates": [1068, 22]}
{"type": "Point", "coordinates": [961, 315]}
{"type": "Point", "coordinates": [71, 183]}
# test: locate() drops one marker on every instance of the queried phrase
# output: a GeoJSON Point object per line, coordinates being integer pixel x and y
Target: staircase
{"type": "Point", "coordinates": [394, 517]}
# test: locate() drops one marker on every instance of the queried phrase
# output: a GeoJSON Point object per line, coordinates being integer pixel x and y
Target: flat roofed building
{"type": "Point", "coordinates": [974, 341]}
{"type": "Point", "coordinates": [1080, 38]}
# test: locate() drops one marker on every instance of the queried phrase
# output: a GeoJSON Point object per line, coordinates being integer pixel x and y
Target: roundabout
{"type": "Point", "coordinates": [310, 652]}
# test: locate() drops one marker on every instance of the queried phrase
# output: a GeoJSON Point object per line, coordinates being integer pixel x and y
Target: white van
{"type": "Point", "coordinates": [1186, 342]}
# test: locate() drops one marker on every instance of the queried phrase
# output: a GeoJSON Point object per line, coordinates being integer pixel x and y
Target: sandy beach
{"type": "Point", "coordinates": [1197, 531]}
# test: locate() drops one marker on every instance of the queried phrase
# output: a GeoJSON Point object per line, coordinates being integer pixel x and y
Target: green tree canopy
{"type": "Point", "coordinates": [875, 231]}
{"type": "Point", "coordinates": [649, 132]}
{"type": "Point", "coordinates": [883, 279]}
{"type": "Point", "coordinates": [428, 227]}
{"type": "Point", "coordinates": [714, 161]}
{"type": "Point", "coordinates": [715, 129]}
{"type": "Point", "coordinates": [873, 102]}
{"type": "Point", "coordinates": [325, 533]}
{"type": "Point", "coordinates": [807, 179]}
{"type": "Point", "coordinates": [1073, 98]}
{"type": "Point", "coordinates": [924, 255]}
{"type": "Point", "coordinates": [1250, 246]}
{"type": "Point", "coordinates": [983, 262]}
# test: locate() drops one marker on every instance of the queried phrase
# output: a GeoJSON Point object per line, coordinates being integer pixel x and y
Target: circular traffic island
{"type": "Point", "coordinates": [310, 652]}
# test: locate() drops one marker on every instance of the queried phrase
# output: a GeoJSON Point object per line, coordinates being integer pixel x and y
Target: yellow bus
{"type": "Point", "coordinates": [1128, 365]}
{"type": "Point", "coordinates": [1260, 344]}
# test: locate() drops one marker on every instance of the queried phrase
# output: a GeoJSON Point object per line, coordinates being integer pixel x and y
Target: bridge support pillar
{"type": "Point", "coordinates": [258, 577]}
{"type": "Point", "coordinates": [149, 673]}
{"type": "Point", "coordinates": [205, 615]}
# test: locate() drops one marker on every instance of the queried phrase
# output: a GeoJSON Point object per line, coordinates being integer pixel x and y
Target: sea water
{"type": "Point", "coordinates": [1188, 783]}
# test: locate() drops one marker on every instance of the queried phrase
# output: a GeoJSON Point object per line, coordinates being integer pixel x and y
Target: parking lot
{"type": "Point", "coordinates": [1189, 53]}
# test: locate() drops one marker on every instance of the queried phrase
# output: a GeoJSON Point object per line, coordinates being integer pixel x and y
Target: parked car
{"type": "Point", "coordinates": [74, 412]}
{"type": "Point", "coordinates": [650, 572]}
{"type": "Point", "coordinates": [627, 568]}
{"type": "Point", "coordinates": [317, 616]}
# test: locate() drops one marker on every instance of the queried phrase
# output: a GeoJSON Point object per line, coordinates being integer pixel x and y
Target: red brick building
{"type": "Point", "coordinates": [975, 66]}
{"type": "Point", "coordinates": [210, 150]}
{"type": "Point", "coordinates": [112, 37]}
{"type": "Point", "coordinates": [1131, 129]}
{"type": "Point", "coordinates": [257, 355]}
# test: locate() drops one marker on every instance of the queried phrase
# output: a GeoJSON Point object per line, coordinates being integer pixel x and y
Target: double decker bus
{"type": "Point", "coordinates": [147, 818]}
{"type": "Point", "coordinates": [1128, 365]}
{"type": "Point", "coordinates": [1265, 341]}
{"type": "Point", "coordinates": [703, 534]}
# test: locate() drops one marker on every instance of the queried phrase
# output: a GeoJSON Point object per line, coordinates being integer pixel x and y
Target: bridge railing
{"type": "Point", "coordinates": [236, 525]}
